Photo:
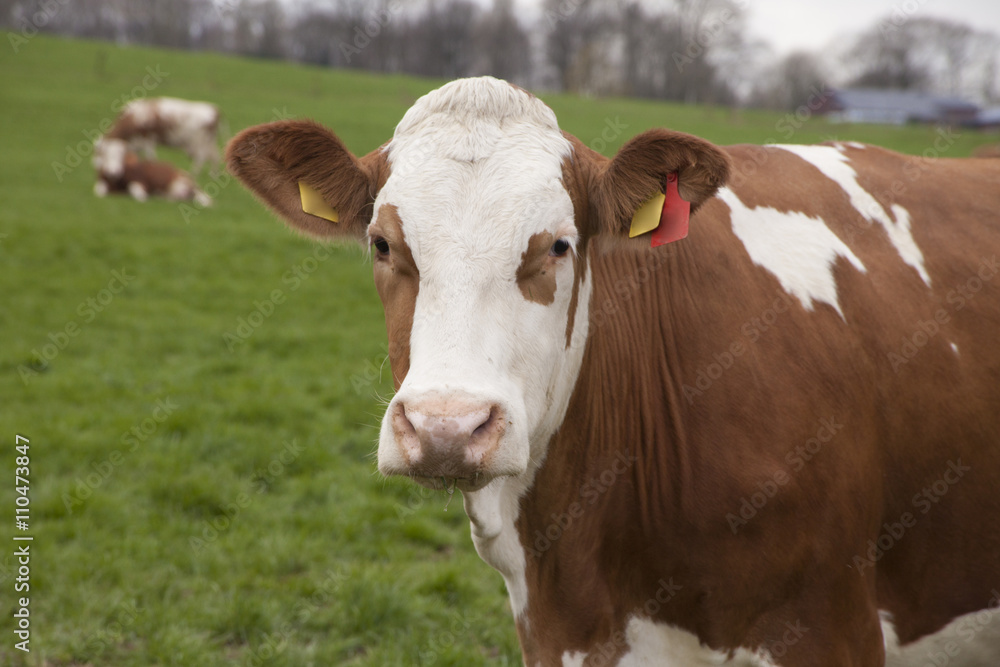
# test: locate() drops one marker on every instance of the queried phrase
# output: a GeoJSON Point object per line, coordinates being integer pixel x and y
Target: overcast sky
{"type": "Point", "coordinates": [812, 25]}
{"type": "Point", "coordinates": [789, 25]}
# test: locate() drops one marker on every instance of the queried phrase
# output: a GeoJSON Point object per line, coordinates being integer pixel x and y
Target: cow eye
{"type": "Point", "coordinates": [381, 246]}
{"type": "Point", "coordinates": [559, 248]}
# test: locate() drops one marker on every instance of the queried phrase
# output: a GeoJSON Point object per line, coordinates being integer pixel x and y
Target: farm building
{"type": "Point", "coordinates": [896, 107]}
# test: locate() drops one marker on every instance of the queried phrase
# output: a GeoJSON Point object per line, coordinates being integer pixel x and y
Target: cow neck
{"type": "Point", "coordinates": [617, 469]}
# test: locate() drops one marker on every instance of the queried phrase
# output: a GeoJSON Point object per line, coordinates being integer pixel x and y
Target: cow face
{"type": "Point", "coordinates": [478, 213]}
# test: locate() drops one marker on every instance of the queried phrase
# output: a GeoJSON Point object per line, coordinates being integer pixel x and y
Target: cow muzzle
{"type": "Point", "coordinates": [442, 440]}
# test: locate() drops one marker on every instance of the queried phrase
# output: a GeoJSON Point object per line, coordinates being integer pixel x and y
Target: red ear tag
{"type": "Point", "coordinates": [674, 217]}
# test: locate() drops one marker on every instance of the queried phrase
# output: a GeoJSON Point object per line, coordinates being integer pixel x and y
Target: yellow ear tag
{"type": "Point", "coordinates": [647, 218]}
{"type": "Point", "coordinates": [314, 204]}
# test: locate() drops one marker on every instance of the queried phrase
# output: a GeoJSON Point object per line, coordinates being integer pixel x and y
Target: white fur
{"type": "Point", "coordinates": [190, 126]}
{"type": "Point", "coordinates": [476, 170]}
{"type": "Point", "coordinates": [109, 156]}
{"type": "Point", "coordinates": [101, 189]}
{"type": "Point", "coordinates": [652, 643]}
{"type": "Point", "coordinates": [835, 165]}
{"type": "Point", "coordinates": [138, 191]}
{"type": "Point", "coordinates": [972, 640]}
{"type": "Point", "coordinates": [798, 249]}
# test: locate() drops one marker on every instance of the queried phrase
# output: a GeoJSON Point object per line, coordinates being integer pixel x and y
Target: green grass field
{"type": "Point", "coordinates": [201, 389]}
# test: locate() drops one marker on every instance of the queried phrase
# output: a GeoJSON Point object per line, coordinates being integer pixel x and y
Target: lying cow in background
{"type": "Point", "coordinates": [145, 178]}
{"type": "Point", "coordinates": [167, 121]}
{"type": "Point", "coordinates": [775, 442]}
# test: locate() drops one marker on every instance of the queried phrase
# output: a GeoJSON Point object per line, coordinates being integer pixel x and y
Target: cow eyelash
{"type": "Point", "coordinates": [381, 246]}
{"type": "Point", "coordinates": [559, 248]}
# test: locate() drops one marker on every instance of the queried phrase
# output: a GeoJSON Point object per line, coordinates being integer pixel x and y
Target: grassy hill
{"type": "Point", "coordinates": [201, 389]}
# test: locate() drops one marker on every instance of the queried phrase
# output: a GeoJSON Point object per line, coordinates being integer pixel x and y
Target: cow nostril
{"type": "Point", "coordinates": [401, 421]}
{"type": "Point", "coordinates": [485, 426]}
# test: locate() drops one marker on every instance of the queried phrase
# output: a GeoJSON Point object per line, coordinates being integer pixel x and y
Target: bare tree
{"type": "Point", "coordinates": [504, 44]}
{"type": "Point", "coordinates": [796, 79]}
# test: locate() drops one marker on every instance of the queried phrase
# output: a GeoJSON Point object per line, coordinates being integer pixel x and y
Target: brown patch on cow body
{"type": "Point", "coordinates": [158, 179]}
{"type": "Point", "coordinates": [397, 281]}
{"type": "Point", "coordinates": [536, 275]}
{"type": "Point", "coordinates": [648, 471]}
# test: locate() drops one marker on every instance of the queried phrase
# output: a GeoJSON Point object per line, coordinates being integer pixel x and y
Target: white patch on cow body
{"type": "Point", "coordinates": [652, 643]}
{"type": "Point", "coordinates": [798, 249]}
{"type": "Point", "coordinates": [835, 165]}
{"type": "Point", "coordinates": [573, 659]}
{"type": "Point", "coordinates": [954, 348]}
{"type": "Point", "coordinates": [972, 640]}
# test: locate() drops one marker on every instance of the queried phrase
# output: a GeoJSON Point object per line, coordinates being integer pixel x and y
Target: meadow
{"type": "Point", "coordinates": [201, 388]}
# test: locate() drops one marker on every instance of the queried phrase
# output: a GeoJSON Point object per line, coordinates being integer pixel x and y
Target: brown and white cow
{"type": "Point", "coordinates": [776, 442]}
{"type": "Point", "coordinates": [165, 121]}
{"type": "Point", "coordinates": [145, 178]}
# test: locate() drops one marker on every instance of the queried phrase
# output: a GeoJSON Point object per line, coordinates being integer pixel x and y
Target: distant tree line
{"type": "Point", "coordinates": [682, 50]}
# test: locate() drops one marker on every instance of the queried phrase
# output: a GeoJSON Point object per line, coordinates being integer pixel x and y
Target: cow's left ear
{"type": "Point", "coordinates": [306, 175]}
{"type": "Point", "coordinates": [639, 171]}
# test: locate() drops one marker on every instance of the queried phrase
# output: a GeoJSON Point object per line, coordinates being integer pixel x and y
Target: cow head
{"type": "Point", "coordinates": [479, 214]}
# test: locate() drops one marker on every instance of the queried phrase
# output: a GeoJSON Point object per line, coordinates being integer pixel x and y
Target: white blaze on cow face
{"type": "Point", "coordinates": [475, 201]}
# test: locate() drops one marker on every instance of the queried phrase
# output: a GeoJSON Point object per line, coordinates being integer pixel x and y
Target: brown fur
{"type": "Point", "coordinates": [536, 276]}
{"type": "Point", "coordinates": [639, 171]}
{"type": "Point", "coordinates": [156, 177]}
{"type": "Point", "coordinates": [271, 159]}
{"type": "Point", "coordinates": [693, 461]}
{"type": "Point", "coordinates": [681, 463]}
{"type": "Point", "coordinates": [397, 281]}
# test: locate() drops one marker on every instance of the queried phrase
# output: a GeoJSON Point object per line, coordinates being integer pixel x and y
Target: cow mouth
{"type": "Point", "coordinates": [450, 484]}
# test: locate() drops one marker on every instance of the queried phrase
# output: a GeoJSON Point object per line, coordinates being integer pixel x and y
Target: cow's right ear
{"type": "Point", "coordinates": [640, 170]}
{"type": "Point", "coordinates": [287, 164]}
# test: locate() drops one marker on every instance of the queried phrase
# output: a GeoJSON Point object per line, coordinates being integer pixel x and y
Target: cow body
{"type": "Point", "coordinates": [168, 121]}
{"type": "Point", "coordinates": [773, 443]}
{"type": "Point", "coordinates": [145, 178]}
